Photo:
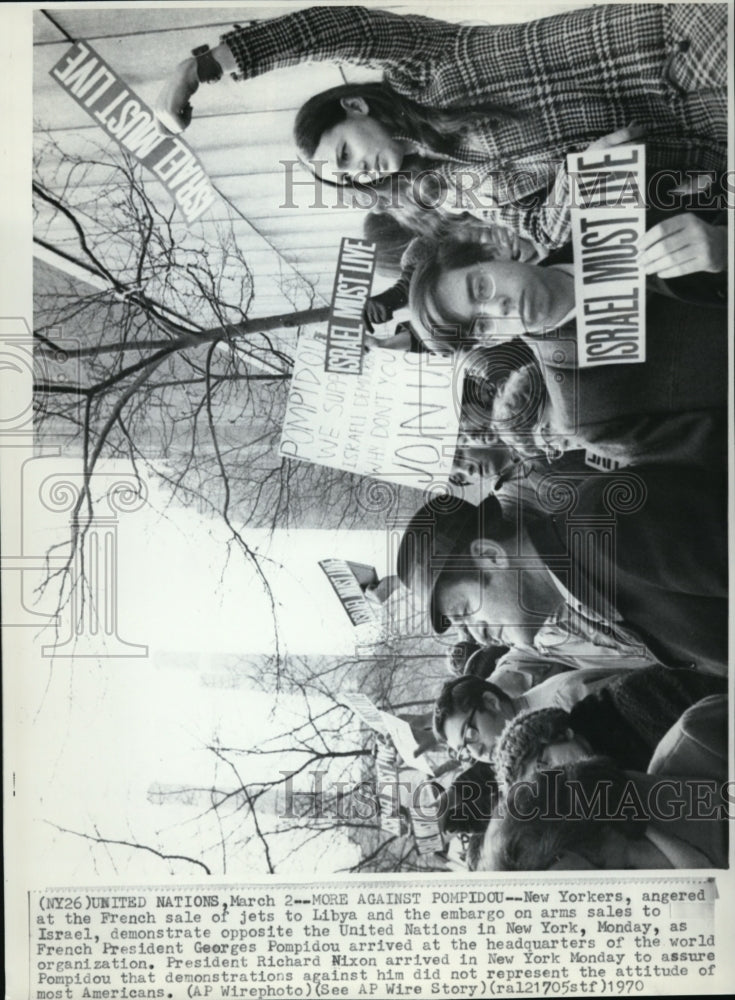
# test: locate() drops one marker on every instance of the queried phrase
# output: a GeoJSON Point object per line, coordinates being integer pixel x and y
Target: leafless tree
{"type": "Point", "coordinates": [155, 360]}
{"type": "Point", "coordinates": [147, 353]}
{"type": "Point", "coordinates": [309, 789]}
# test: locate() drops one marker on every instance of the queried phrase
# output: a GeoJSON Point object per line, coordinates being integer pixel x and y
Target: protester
{"type": "Point", "coordinates": [400, 250]}
{"type": "Point", "coordinates": [658, 410]}
{"type": "Point", "coordinates": [500, 106]}
{"type": "Point", "coordinates": [465, 293]}
{"type": "Point", "coordinates": [471, 713]}
{"type": "Point", "coordinates": [592, 815]}
{"type": "Point", "coordinates": [624, 720]}
{"type": "Point", "coordinates": [659, 594]}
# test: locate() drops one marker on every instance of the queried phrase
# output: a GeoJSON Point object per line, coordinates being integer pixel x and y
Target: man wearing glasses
{"type": "Point", "coordinates": [622, 714]}
{"type": "Point", "coordinates": [470, 713]}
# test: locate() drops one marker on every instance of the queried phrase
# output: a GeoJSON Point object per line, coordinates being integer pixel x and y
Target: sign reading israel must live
{"type": "Point", "coordinates": [112, 105]}
{"type": "Point", "coordinates": [346, 327]}
{"type": "Point", "coordinates": [608, 218]}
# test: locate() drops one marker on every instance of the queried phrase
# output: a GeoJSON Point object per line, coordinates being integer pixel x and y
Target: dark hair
{"type": "Point", "coordinates": [462, 694]}
{"type": "Point", "coordinates": [467, 804]}
{"type": "Point", "coordinates": [402, 220]}
{"type": "Point", "coordinates": [434, 127]}
{"type": "Point", "coordinates": [435, 329]}
{"type": "Point", "coordinates": [460, 653]}
{"type": "Point", "coordinates": [561, 824]}
{"type": "Point", "coordinates": [483, 661]}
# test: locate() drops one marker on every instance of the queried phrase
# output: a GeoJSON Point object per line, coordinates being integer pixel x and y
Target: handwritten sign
{"type": "Point", "coordinates": [399, 730]}
{"type": "Point", "coordinates": [112, 105]}
{"type": "Point", "coordinates": [608, 221]}
{"type": "Point", "coordinates": [397, 421]}
{"type": "Point", "coordinates": [346, 327]}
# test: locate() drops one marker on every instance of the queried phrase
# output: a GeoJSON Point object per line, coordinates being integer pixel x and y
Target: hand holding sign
{"type": "Point", "coordinates": [172, 107]}
{"type": "Point", "coordinates": [684, 244]}
{"type": "Point", "coordinates": [376, 312]}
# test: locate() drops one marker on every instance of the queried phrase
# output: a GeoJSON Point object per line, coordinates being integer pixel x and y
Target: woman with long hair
{"type": "Point", "coordinates": [490, 111]}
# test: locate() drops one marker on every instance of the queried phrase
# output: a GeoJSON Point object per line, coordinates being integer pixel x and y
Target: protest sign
{"type": "Point", "coordinates": [608, 221]}
{"type": "Point", "coordinates": [397, 420]}
{"type": "Point", "coordinates": [405, 742]}
{"type": "Point", "coordinates": [346, 327]}
{"type": "Point", "coordinates": [113, 106]}
{"type": "Point", "coordinates": [370, 714]}
{"type": "Point", "coordinates": [398, 729]}
{"type": "Point", "coordinates": [368, 617]}
{"type": "Point", "coordinates": [386, 769]}
{"type": "Point", "coordinates": [422, 811]}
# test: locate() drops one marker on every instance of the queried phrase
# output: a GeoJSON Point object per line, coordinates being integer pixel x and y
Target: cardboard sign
{"type": "Point", "coordinates": [608, 220]}
{"type": "Point", "coordinates": [346, 327]}
{"type": "Point", "coordinates": [364, 614]}
{"type": "Point", "coordinates": [396, 421]}
{"type": "Point", "coordinates": [113, 106]}
{"type": "Point", "coordinates": [424, 822]}
{"type": "Point", "coordinates": [386, 769]}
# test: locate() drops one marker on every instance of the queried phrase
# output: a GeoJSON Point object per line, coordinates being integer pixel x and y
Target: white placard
{"type": "Point", "coordinates": [608, 221]}
{"type": "Point", "coordinates": [397, 421]}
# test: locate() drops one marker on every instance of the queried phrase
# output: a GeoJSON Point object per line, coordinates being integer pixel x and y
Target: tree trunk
{"type": "Point", "coordinates": [260, 324]}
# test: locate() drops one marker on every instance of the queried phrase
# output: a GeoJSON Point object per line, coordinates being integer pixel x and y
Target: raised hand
{"type": "Point", "coordinates": [172, 108]}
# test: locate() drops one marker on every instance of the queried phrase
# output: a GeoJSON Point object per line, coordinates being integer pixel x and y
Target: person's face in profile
{"type": "Point", "coordinates": [358, 148]}
{"type": "Point", "coordinates": [492, 602]}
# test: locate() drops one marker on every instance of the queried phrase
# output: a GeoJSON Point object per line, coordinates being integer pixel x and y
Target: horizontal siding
{"type": "Point", "coordinates": [240, 132]}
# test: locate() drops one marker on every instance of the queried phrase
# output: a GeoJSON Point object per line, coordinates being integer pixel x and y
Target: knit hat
{"type": "Point", "coordinates": [523, 737]}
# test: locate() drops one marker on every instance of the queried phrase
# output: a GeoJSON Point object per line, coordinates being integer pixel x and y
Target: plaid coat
{"type": "Point", "coordinates": [576, 77]}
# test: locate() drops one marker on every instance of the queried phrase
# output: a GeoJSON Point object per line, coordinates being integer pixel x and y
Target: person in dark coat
{"type": "Point", "coordinates": [627, 564]}
{"type": "Point", "coordinates": [625, 720]}
{"type": "Point", "coordinates": [665, 409]}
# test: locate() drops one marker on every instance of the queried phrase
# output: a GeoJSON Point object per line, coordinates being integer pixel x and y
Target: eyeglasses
{"type": "Point", "coordinates": [468, 736]}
